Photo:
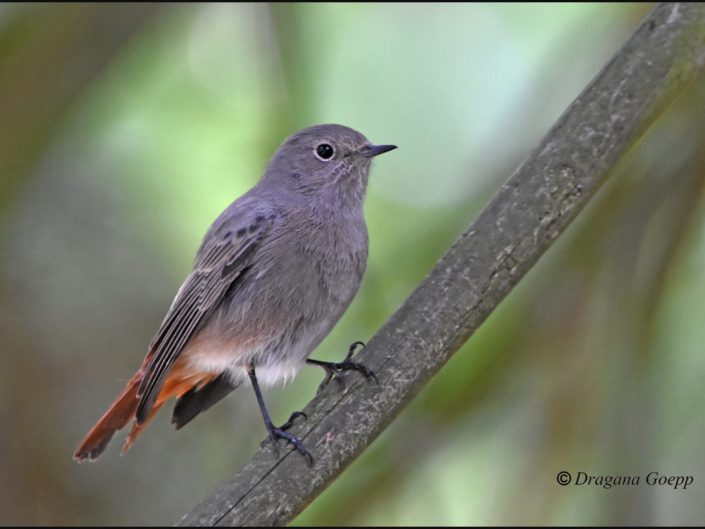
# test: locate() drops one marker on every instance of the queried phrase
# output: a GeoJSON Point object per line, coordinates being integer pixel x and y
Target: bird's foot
{"type": "Point", "coordinates": [280, 433]}
{"type": "Point", "coordinates": [290, 422]}
{"type": "Point", "coordinates": [335, 370]}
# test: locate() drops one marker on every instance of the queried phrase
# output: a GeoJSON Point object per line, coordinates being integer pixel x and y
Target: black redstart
{"type": "Point", "coordinates": [273, 275]}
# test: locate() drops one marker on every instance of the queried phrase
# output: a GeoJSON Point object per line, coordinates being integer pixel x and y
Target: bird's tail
{"type": "Point", "coordinates": [179, 382]}
{"type": "Point", "coordinates": [117, 416]}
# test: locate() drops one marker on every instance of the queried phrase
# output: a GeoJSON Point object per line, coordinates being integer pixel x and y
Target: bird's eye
{"type": "Point", "coordinates": [325, 152]}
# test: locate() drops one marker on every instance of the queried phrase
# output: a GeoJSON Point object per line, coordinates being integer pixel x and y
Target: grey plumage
{"type": "Point", "coordinates": [274, 273]}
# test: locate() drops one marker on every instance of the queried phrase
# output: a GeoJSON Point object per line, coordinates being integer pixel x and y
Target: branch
{"type": "Point", "coordinates": [518, 225]}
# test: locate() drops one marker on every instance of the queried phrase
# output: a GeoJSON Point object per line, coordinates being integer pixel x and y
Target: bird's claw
{"type": "Point", "coordinates": [279, 433]}
{"type": "Point", "coordinates": [334, 370]}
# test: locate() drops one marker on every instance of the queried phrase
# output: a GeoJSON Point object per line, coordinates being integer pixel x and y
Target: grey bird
{"type": "Point", "coordinates": [273, 275]}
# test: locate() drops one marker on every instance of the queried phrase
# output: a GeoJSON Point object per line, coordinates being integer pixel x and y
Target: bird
{"type": "Point", "coordinates": [274, 273]}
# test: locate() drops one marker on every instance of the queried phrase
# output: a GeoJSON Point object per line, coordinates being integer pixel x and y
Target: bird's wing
{"type": "Point", "coordinates": [220, 261]}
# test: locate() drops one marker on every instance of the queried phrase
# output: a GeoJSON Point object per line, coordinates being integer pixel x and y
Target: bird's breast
{"type": "Point", "coordinates": [296, 289]}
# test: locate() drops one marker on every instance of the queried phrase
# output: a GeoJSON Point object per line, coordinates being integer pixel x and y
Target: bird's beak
{"type": "Point", "coordinates": [369, 151]}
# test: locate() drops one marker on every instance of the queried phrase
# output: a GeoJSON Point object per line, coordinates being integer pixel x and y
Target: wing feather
{"type": "Point", "coordinates": [220, 262]}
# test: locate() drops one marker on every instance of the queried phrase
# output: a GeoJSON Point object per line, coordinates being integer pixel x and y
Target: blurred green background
{"type": "Point", "coordinates": [124, 131]}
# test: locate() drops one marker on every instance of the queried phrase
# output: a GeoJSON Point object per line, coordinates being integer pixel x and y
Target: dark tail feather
{"type": "Point", "coordinates": [197, 400]}
{"type": "Point", "coordinates": [117, 416]}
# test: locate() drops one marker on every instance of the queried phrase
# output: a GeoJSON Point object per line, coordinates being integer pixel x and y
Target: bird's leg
{"type": "Point", "coordinates": [334, 370]}
{"type": "Point", "coordinates": [274, 432]}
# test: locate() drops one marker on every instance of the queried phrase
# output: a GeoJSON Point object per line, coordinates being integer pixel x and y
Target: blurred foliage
{"type": "Point", "coordinates": [125, 129]}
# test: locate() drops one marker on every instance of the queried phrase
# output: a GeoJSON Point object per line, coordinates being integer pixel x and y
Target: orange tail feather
{"type": "Point", "coordinates": [117, 416]}
{"type": "Point", "coordinates": [178, 382]}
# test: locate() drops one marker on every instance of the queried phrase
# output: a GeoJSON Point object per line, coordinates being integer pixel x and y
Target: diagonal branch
{"type": "Point", "coordinates": [518, 225]}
